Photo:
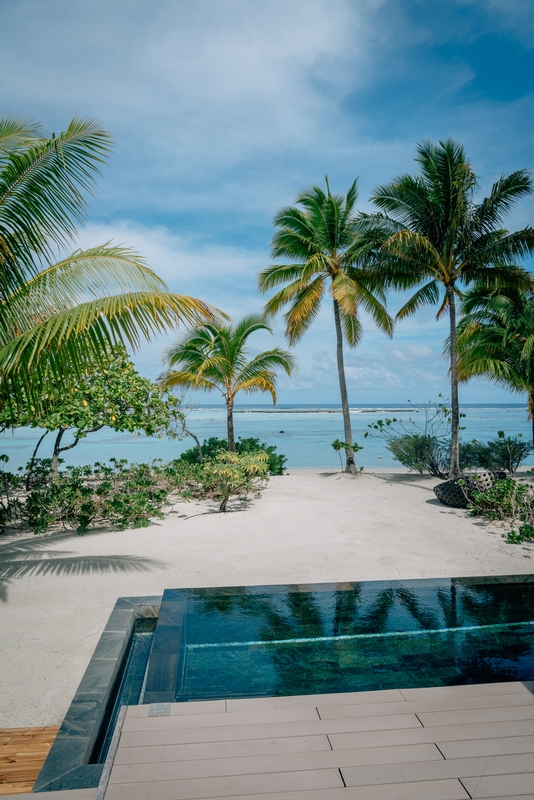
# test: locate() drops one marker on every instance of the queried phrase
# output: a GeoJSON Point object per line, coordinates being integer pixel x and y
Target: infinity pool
{"type": "Point", "coordinates": [287, 640]}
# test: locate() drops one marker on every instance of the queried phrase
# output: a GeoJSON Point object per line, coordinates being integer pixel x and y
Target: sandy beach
{"type": "Point", "coordinates": [309, 526]}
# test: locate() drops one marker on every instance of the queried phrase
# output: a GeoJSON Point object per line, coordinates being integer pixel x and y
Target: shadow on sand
{"type": "Point", "coordinates": [29, 557]}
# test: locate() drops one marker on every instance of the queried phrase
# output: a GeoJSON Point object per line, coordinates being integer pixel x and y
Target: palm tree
{"type": "Point", "coordinates": [215, 357]}
{"type": "Point", "coordinates": [496, 341]}
{"type": "Point", "coordinates": [58, 316]}
{"type": "Point", "coordinates": [320, 237]}
{"type": "Point", "coordinates": [436, 235]}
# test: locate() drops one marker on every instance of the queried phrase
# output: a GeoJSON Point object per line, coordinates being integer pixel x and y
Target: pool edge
{"type": "Point", "coordinates": [67, 764]}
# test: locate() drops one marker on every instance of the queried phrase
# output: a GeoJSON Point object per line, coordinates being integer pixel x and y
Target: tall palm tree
{"type": "Point", "coordinates": [215, 357]}
{"type": "Point", "coordinates": [436, 235]}
{"type": "Point", "coordinates": [496, 341]}
{"type": "Point", "coordinates": [56, 316]}
{"type": "Point", "coordinates": [320, 237]}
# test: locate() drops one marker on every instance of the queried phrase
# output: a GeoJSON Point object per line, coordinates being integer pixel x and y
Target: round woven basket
{"type": "Point", "coordinates": [454, 495]}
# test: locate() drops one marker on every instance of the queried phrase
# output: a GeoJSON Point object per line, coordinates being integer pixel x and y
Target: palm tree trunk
{"type": "Point", "coordinates": [230, 424]}
{"type": "Point", "coordinates": [350, 463]}
{"type": "Point", "coordinates": [454, 469]}
{"type": "Point", "coordinates": [530, 410]}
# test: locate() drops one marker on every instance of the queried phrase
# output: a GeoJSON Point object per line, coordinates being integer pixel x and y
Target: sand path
{"type": "Point", "coordinates": [309, 526]}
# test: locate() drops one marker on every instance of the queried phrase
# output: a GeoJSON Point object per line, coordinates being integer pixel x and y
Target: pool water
{"type": "Point", "coordinates": [287, 640]}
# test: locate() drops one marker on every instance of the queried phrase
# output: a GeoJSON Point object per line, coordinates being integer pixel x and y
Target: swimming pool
{"type": "Point", "coordinates": [284, 640]}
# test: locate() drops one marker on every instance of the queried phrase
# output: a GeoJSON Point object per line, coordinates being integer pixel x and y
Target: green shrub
{"type": "Point", "coordinates": [426, 453]}
{"type": "Point", "coordinates": [508, 501]}
{"type": "Point", "coordinates": [124, 495]}
{"type": "Point", "coordinates": [505, 453]}
{"type": "Point", "coordinates": [213, 446]}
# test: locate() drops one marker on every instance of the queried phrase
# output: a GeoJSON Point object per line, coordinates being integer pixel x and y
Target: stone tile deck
{"type": "Point", "coordinates": [446, 743]}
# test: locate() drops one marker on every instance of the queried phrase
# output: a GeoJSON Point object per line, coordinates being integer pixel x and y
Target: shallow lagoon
{"type": "Point", "coordinates": [303, 434]}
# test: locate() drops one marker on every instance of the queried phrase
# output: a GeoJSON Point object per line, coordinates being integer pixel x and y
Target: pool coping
{"type": "Point", "coordinates": [67, 764]}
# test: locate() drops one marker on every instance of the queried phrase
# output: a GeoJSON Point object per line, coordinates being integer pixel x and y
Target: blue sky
{"type": "Point", "coordinates": [222, 110]}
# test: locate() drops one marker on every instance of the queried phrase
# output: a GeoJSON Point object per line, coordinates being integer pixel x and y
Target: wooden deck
{"type": "Point", "coordinates": [22, 754]}
{"type": "Point", "coordinates": [446, 743]}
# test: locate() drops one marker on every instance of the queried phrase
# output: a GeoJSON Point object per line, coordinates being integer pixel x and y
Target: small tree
{"type": "Point", "coordinates": [113, 396]}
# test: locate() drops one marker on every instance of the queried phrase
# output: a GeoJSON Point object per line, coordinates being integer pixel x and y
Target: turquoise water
{"type": "Point", "coordinates": [304, 437]}
{"type": "Point", "coordinates": [255, 641]}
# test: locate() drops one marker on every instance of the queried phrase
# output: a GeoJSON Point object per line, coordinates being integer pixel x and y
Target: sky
{"type": "Point", "coordinates": [223, 110]}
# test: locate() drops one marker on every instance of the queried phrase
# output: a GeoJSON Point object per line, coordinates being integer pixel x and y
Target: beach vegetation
{"type": "Point", "coordinates": [214, 357]}
{"type": "Point", "coordinates": [508, 501]}
{"type": "Point", "coordinates": [213, 446]}
{"type": "Point", "coordinates": [438, 239]}
{"type": "Point", "coordinates": [338, 446]}
{"type": "Point", "coordinates": [323, 253]}
{"type": "Point", "coordinates": [502, 454]}
{"type": "Point", "coordinates": [111, 394]}
{"type": "Point", "coordinates": [57, 317]}
{"type": "Point", "coordinates": [122, 495]}
{"type": "Point", "coordinates": [496, 340]}
{"type": "Point", "coordinates": [231, 473]}
{"type": "Point", "coordinates": [422, 443]}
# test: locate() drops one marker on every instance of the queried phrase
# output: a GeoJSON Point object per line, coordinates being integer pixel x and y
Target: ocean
{"type": "Point", "coordinates": [303, 433]}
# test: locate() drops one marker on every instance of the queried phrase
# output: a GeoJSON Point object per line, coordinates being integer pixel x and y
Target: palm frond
{"type": "Point", "coordinates": [41, 189]}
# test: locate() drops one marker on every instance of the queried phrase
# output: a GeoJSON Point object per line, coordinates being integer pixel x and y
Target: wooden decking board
{"type": "Point", "coordinates": [430, 744]}
{"type": "Point", "coordinates": [22, 754]}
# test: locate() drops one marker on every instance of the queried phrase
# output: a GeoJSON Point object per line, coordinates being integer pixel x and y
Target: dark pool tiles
{"type": "Point", "coordinates": [66, 765]}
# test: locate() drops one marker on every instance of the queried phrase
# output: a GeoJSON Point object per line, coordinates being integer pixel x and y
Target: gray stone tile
{"type": "Point", "coordinates": [499, 785]}
{"type": "Point", "coordinates": [66, 753]}
{"type": "Point", "coordinates": [99, 676]}
{"type": "Point", "coordinates": [509, 745]}
{"type": "Point", "coordinates": [112, 644]}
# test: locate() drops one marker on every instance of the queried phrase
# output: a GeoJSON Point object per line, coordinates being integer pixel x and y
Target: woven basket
{"type": "Point", "coordinates": [453, 495]}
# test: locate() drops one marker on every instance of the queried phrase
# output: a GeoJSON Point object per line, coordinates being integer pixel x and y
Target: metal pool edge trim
{"type": "Point", "coordinates": [67, 765]}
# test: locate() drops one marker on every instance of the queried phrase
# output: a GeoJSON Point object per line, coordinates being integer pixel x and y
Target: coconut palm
{"type": "Point", "coordinates": [214, 356]}
{"type": "Point", "coordinates": [436, 235]}
{"type": "Point", "coordinates": [56, 317]}
{"type": "Point", "coordinates": [319, 235]}
{"type": "Point", "coordinates": [496, 341]}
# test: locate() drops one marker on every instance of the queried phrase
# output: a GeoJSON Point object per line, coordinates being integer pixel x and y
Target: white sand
{"type": "Point", "coordinates": [310, 526]}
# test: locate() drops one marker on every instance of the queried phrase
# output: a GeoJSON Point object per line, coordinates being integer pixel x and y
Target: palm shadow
{"type": "Point", "coordinates": [27, 558]}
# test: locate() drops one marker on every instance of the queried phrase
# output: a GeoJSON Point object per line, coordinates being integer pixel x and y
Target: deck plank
{"type": "Point", "coordinates": [22, 754]}
{"type": "Point", "coordinates": [440, 743]}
